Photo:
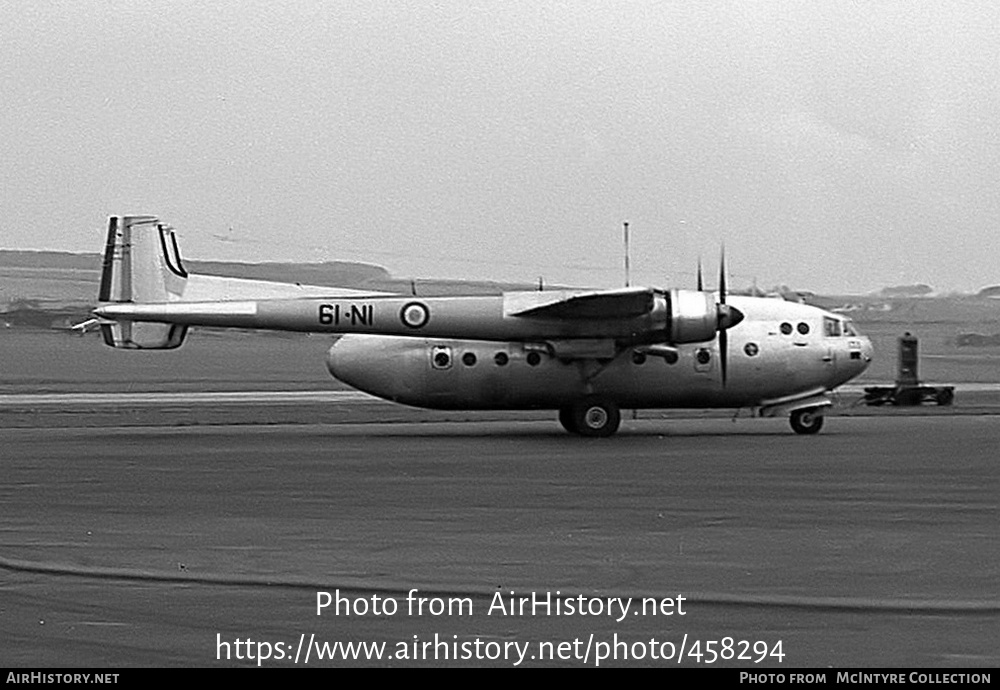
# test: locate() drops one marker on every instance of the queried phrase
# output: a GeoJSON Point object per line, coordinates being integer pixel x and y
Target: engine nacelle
{"type": "Point", "coordinates": [693, 317]}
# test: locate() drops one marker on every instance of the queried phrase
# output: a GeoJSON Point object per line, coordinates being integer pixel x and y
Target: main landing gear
{"type": "Point", "coordinates": [597, 418]}
{"type": "Point", "coordinates": [594, 418]}
{"type": "Point", "coordinates": [807, 421]}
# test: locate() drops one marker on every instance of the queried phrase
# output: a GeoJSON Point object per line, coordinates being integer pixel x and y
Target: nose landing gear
{"type": "Point", "coordinates": [807, 421]}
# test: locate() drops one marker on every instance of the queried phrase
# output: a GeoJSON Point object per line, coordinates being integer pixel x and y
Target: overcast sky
{"type": "Point", "coordinates": [832, 145]}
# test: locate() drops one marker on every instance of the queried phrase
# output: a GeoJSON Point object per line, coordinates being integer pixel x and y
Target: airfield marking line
{"type": "Point", "coordinates": [194, 398]}
{"type": "Point", "coordinates": [663, 427]}
{"type": "Point", "coordinates": [234, 397]}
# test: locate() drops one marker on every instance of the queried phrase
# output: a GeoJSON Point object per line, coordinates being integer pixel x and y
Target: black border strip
{"type": "Point", "coordinates": [107, 270]}
{"type": "Point", "coordinates": [179, 272]}
{"type": "Point", "coordinates": [108, 334]}
{"type": "Point", "coordinates": [177, 254]}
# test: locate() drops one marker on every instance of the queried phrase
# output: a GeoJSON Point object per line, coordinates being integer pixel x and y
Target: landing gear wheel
{"type": "Point", "coordinates": [807, 421]}
{"type": "Point", "coordinates": [593, 418]}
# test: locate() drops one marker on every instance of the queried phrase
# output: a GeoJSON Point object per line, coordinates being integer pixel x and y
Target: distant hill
{"type": "Point", "coordinates": [303, 273]}
{"type": "Point", "coordinates": [15, 258]}
{"type": "Point", "coordinates": [918, 290]}
{"type": "Point", "coordinates": [54, 281]}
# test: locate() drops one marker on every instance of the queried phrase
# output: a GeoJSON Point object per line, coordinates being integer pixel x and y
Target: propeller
{"type": "Point", "coordinates": [728, 316]}
{"type": "Point", "coordinates": [701, 283]}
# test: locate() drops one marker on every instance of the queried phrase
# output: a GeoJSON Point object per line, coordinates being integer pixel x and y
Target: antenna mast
{"type": "Point", "coordinates": [628, 282]}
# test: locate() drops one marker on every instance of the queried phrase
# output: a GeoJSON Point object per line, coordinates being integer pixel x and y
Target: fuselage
{"type": "Point", "coordinates": [779, 350]}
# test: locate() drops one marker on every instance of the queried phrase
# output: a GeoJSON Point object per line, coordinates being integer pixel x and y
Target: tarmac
{"type": "Point", "coordinates": [160, 533]}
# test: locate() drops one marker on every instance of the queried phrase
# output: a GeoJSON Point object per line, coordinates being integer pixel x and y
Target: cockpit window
{"type": "Point", "coordinates": [849, 328]}
{"type": "Point", "coordinates": [831, 327]}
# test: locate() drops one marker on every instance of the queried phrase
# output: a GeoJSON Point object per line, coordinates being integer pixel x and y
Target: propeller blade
{"type": "Point", "coordinates": [723, 356]}
{"type": "Point", "coordinates": [727, 318]}
{"type": "Point", "coordinates": [701, 283]}
{"type": "Point", "coordinates": [728, 315]}
{"type": "Point", "coordinates": [722, 276]}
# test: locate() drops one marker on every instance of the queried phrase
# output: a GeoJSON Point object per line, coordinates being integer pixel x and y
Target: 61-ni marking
{"type": "Point", "coordinates": [356, 314]}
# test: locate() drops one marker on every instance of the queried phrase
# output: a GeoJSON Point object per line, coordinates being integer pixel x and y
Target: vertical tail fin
{"type": "Point", "coordinates": [142, 264]}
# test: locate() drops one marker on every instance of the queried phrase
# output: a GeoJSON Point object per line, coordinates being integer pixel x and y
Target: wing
{"type": "Point", "coordinates": [579, 304]}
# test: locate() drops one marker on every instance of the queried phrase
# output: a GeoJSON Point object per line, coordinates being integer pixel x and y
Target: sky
{"type": "Point", "coordinates": [831, 146]}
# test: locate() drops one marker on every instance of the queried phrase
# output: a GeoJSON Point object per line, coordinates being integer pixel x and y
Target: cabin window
{"type": "Point", "coordinates": [441, 357]}
{"type": "Point", "coordinates": [803, 328]}
{"type": "Point", "coordinates": [469, 359]}
{"type": "Point", "coordinates": [703, 360]}
{"type": "Point", "coordinates": [534, 359]}
{"type": "Point", "coordinates": [831, 327]}
{"type": "Point", "coordinates": [786, 328]}
{"type": "Point", "coordinates": [638, 358]}
{"type": "Point", "coordinates": [751, 349]}
{"type": "Point", "coordinates": [501, 359]}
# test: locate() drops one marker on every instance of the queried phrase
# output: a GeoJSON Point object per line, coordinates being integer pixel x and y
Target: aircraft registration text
{"type": "Point", "coordinates": [355, 314]}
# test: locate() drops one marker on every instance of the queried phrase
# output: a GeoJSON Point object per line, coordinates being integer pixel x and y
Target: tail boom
{"type": "Point", "coordinates": [147, 299]}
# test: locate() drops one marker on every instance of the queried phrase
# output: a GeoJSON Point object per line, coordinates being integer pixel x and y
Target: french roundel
{"type": "Point", "coordinates": [414, 315]}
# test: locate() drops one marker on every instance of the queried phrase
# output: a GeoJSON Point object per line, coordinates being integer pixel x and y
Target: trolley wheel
{"type": "Point", "coordinates": [945, 396]}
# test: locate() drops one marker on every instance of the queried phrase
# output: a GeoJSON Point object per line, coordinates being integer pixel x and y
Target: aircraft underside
{"type": "Point", "coordinates": [588, 393]}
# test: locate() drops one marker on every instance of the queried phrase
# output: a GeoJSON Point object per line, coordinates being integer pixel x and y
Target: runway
{"type": "Point", "coordinates": [267, 407]}
{"type": "Point", "coordinates": [871, 544]}
{"type": "Point", "coordinates": [17, 400]}
{"type": "Point", "coordinates": [31, 400]}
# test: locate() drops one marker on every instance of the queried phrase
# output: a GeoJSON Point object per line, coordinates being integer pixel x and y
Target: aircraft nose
{"type": "Point", "coordinates": [860, 363]}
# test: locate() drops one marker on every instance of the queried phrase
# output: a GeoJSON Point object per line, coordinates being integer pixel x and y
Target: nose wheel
{"type": "Point", "coordinates": [807, 421]}
{"type": "Point", "coordinates": [593, 418]}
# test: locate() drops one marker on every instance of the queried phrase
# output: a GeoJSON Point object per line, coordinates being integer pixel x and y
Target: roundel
{"type": "Point", "coordinates": [414, 315]}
